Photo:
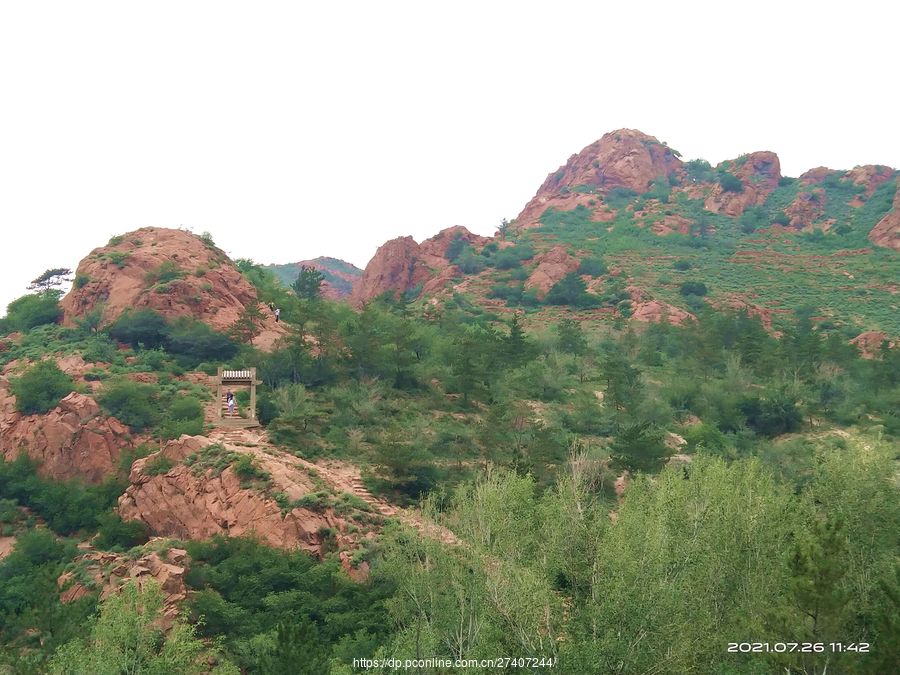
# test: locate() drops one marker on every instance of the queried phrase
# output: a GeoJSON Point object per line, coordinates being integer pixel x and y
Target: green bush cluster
{"type": "Point", "coordinates": [41, 388]}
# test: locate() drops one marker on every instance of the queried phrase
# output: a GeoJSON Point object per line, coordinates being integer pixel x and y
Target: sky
{"type": "Point", "coordinates": [291, 130]}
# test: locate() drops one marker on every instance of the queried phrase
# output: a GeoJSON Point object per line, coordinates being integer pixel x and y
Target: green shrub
{"type": "Point", "coordinates": [164, 273]}
{"type": "Point", "coordinates": [117, 533]}
{"type": "Point", "coordinates": [133, 403]}
{"type": "Point", "coordinates": [196, 342]}
{"type": "Point", "coordinates": [143, 327]}
{"type": "Point", "coordinates": [33, 310]}
{"type": "Point", "coordinates": [682, 265]}
{"type": "Point", "coordinates": [118, 258]}
{"type": "Point", "coordinates": [66, 506]}
{"type": "Point", "coordinates": [730, 182]}
{"type": "Point", "coordinates": [781, 218]}
{"type": "Point", "coordinates": [116, 240]}
{"type": "Point", "coordinates": [697, 288]}
{"type": "Point", "coordinates": [40, 389]}
{"type": "Point", "coordinates": [158, 465]}
{"type": "Point", "coordinates": [700, 171]}
{"type": "Point", "coordinates": [509, 258]}
{"type": "Point", "coordinates": [246, 468]}
{"type": "Point", "coordinates": [594, 267]}
{"type": "Point", "coordinates": [81, 280]}
{"type": "Point", "coordinates": [185, 416]}
{"type": "Point", "coordinates": [571, 290]}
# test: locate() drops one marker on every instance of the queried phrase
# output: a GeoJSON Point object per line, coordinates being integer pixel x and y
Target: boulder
{"type": "Point", "coordinates": [552, 266]}
{"type": "Point", "coordinates": [759, 173]}
{"type": "Point", "coordinates": [74, 440]}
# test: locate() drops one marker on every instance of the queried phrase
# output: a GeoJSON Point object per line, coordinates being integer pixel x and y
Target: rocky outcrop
{"type": "Point", "coordinates": [109, 571]}
{"type": "Point", "coordinates": [173, 272]}
{"type": "Point", "coordinates": [191, 502]}
{"type": "Point", "coordinates": [869, 175]}
{"type": "Point", "coordinates": [626, 158]}
{"type": "Point", "coordinates": [817, 175]}
{"type": "Point", "coordinates": [807, 208]}
{"type": "Point", "coordinates": [74, 440]}
{"type": "Point", "coordinates": [886, 232]}
{"type": "Point", "coordinates": [401, 264]}
{"type": "Point", "coordinates": [758, 172]}
{"type": "Point", "coordinates": [395, 268]}
{"type": "Point", "coordinates": [552, 266]}
{"type": "Point", "coordinates": [869, 343]}
{"type": "Point", "coordinates": [655, 311]}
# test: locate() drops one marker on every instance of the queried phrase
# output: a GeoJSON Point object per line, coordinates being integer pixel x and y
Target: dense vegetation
{"type": "Point", "coordinates": [779, 526]}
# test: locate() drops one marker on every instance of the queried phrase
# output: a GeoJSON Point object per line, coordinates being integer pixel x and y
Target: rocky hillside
{"type": "Point", "coordinates": [339, 275]}
{"type": "Point", "coordinates": [173, 272]}
{"type": "Point", "coordinates": [636, 223]}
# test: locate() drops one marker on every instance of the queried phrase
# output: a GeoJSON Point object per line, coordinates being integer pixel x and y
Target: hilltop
{"type": "Point", "coordinates": [648, 235]}
{"type": "Point", "coordinates": [340, 276]}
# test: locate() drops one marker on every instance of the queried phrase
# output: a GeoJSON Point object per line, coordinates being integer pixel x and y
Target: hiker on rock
{"type": "Point", "coordinates": [277, 314]}
{"type": "Point", "coordinates": [229, 399]}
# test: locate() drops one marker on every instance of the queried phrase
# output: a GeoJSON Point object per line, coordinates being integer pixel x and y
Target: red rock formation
{"type": "Point", "coordinates": [625, 158]}
{"type": "Point", "coordinates": [109, 571]}
{"type": "Point", "coordinates": [401, 264]}
{"type": "Point", "coordinates": [123, 275]}
{"type": "Point", "coordinates": [759, 173]}
{"type": "Point", "coordinates": [185, 504]}
{"type": "Point", "coordinates": [816, 175]}
{"type": "Point", "coordinates": [552, 266]}
{"type": "Point", "coordinates": [806, 208]}
{"type": "Point", "coordinates": [869, 343]}
{"type": "Point", "coordinates": [74, 440]}
{"type": "Point", "coordinates": [655, 311]}
{"type": "Point", "coordinates": [870, 175]}
{"type": "Point", "coordinates": [887, 232]}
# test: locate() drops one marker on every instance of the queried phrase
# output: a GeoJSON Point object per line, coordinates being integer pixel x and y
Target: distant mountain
{"type": "Point", "coordinates": [339, 275]}
{"type": "Point", "coordinates": [627, 228]}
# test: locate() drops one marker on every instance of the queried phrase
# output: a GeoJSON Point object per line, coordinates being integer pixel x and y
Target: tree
{"type": "Point", "coordinates": [248, 325]}
{"type": "Point", "coordinates": [40, 389]}
{"type": "Point", "coordinates": [623, 381]}
{"type": "Point", "coordinates": [517, 348]}
{"type": "Point", "coordinates": [308, 284]}
{"type": "Point", "coordinates": [639, 447]}
{"type": "Point", "coordinates": [570, 337]}
{"type": "Point", "coordinates": [125, 639]}
{"type": "Point", "coordinates": [503, 228]}
{"type": "Point", "coordinates": [38, 309]}
{"type": "Point", "coordinates": [571, 290]}
{"type": "Point", "coordinates": [52, 278]}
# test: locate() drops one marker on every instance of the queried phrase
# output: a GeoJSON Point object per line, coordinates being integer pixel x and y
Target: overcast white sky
{"type": "Point", "coordinates": [291, 130]}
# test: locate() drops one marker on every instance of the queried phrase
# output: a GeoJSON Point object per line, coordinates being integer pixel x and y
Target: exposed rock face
{"type": "Point", "coordinates": [759, 173]}
{"type": "Point", "coordinates": [186, 504]}
{"type": "Point", "coordinates": [74, 440]}
{"type": "Point", "coordinates": [123, 275]}
{"type": "Point", "coordinates": [887, 232]}
{"type": "Point", "coordinates": [870, 175]}
{"type": "Point", "coordinates": [626, 158]}
{"type": "Point", "coordinates": [396, 268]}
{"type": "Point", "coordinates": [816, 175]}
{"type": "Point", "coordinates": [869, 343]}
{"type": "Point", "coordinates": [109, 571]}
{"type": "Point", "coordinates": [806, 208]}
{"type": "Point", "coordinates": [655, 311]}
{"type": "Point", "coordinates": [552, 267]}
{"type": "Point", "coordinates": [401, 264]}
